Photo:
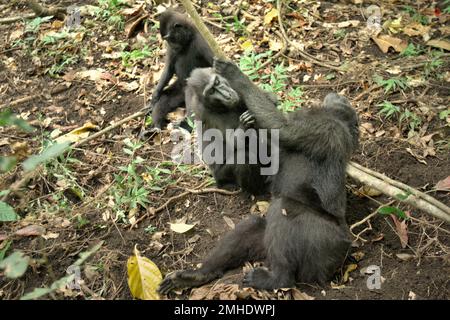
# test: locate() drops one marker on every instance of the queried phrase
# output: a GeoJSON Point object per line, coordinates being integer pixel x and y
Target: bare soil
{"type": "Point", "coordinates": [423, 274]}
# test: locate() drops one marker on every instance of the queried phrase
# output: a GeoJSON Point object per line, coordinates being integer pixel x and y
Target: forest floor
{"type": "Point", "coordinates": [97, 74]}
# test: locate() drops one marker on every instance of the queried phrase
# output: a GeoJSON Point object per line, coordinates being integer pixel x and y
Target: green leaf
{"type": "Point", "coordinates": [3, 251]}
{"type": "Point", "coordinates": [393, 210]}
{"type": "Point", "coordinates": [39, 292]}
{"type": "Point", "coordinates": [128, 151]}
{"type": "Point", "coordinates": [7, 163]}
{"type": "Point", "coordinates": [7, 213]}
{"type": "Point", "coordinates": [7, 118]}
{"type": "Point", "coordinates": [50, 153]}
{"type": "Point", "coordinates": [15, 265]}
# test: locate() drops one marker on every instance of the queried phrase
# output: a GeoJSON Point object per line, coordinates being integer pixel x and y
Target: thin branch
{"type": "Point", "coordinates": [275, 56]}
{"type": "Point", "coordinates": [383, 186]}
{"type": "Point", "coordinates": [40, 11]}
{"type": "Point", "coordinates": [19, 18]}
{"type": "Point", "coordinates": [182, 195]}
{"type": "Point", "coordinates": [405, 187]}
{"type": "Point", "coordinates": [304, 54]}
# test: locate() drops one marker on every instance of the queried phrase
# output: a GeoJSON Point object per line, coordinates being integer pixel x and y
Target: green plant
{"type": "Point", "coordinates": [443, 115]}
{"type": "Point", "coordinates": [81, 221]}
{"type": "Point", "coordinates": [58, 67]}
{"type": "Point", "coordinates": [411, 51]}
{"type": "Point", "coordinates": [130, 58]}
{"type": "Point", "coordinates": [251, 62]}
{"type": "Point", "coordinates": [110, 12]}
{"type": "Point", "coordinates": [67, 190]}
{"type": "Point", "coordinates": [416, 16]}
{"type": "Point", "coordinates": [412, 118]}
{"type": "Point", "coordinates": [340, 34]}
{"type": "Point", "coordinates": [388, 109]}
{"type": "Point", "coordinates": [447, 8]}
{"type": "Point", "coordinates": [55, 37]}
{"type": "Point", "coordinates": [34, 25]}
{"type": "Point", "coordinates": [132, 188]}
{"type": "Point", "coordinates": [392, 84]}
{"type": "Point", "coordinates": [236, 26]}
{"type": "Point", "coordinates": [277, 80]}
{"type": "Point", "coordinates": [431, 67]}
{"type": "Point", "coordinates": [150, 229]}
{"type": "Point", "coordinates": [292, 101]}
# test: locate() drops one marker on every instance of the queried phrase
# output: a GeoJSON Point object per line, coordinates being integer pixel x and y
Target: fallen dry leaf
{"type": "Point", "coordinates": [385, 42]}
{"type": "Point", "coordinates": [229, 222]}
{"type": "Point", "coordinates": [441, 44]}
{"type": "Point", "coordinates": [416, 29]}
{"type": "Point", "coordinates": [181, 227]}
{"type": "Point", "coordinates": [31, 230]}
{"type": "Point", "coordinates": [443, 185]}
{"type": "Point", "coordinates": [298, 295]}
{"type": "Point", "coordinates": [402, 230]}
{"type": "Point", "coordinates": [343, 24]}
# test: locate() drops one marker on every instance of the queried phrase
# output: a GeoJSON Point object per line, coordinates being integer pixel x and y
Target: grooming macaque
{"type": "Point", "coordinates": [217, 105]}
{"type": "Point", "coordinates": [186, 50]}
{"type": "Point", "coordinates": [304, 237]}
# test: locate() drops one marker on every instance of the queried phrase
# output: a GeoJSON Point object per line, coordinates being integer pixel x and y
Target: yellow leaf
{"type": "Point", "coordinates": [350, 268]}
{"type": "Point", "coordinates": [384, 42]}
{"type": "Point", "coordinates": [394, 26]}
{"type": "Point", "coordinates": [180, 227]}
{"type": "Point", "coordinates": [441, 44]}
{"type": "Point", "coordinates": [78, 133]}
{"type": "Point", "coordinates": [247, 45]}
{"type": "Point", "coordinates": [143, 277]}
{"type": "Point", "coordinates": [272, 14]}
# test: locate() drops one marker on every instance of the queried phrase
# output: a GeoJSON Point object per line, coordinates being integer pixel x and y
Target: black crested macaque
{"type": "Point", "coordinates": [304, 237]}
{"type": "Point", "coordinates": [186, 51]}
{"type": "Point", "coordinates": [217, 105]}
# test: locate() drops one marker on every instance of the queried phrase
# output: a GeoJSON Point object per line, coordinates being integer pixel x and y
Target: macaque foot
{"type": "Point", "coordinates": [261, 278]}
{"type": "Point", "coordinates": [145, 134]}
{"type": "Point", "coordinates": [183, 279]}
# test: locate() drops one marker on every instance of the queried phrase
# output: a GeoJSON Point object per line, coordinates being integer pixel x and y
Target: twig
{"type": "Point", "coordinates": [109, 128]}
{"type": "Point", "coordinates": [405, 187]}
{"type": "Point", "coordinates": [275, 56]}
{"type": "Point", "coordinates": [14, 103]}
{"type": "Point", "coordinates": [373, 214]}
{"type": "Point", "coordinates": [181, 195]}
{"type": "Point", "coordinates": [416, 201]}
{"type": "Point", "coordinates": [14, 19]}
{"type": "Point", "coordinates": [214, 24]}
{"type": "Point", "coordinates": [40, 11]}
{"type": "Point", "coordinates": [300, 51]}
{"type": "Point", "coordinates": [29, 175]}
{"type": "Point", "coordinates": [362, 94]}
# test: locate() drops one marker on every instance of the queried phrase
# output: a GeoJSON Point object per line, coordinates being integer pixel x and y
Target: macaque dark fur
{"type": "Point", "coordinates": [186, 50]}
{"type": "Point", "coordinates": [304, 237]}
{"type": "Point", "coordinates": [217, 105]}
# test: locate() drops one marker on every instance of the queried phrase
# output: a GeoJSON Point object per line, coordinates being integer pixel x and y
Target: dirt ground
{"type": "Point", "coordinates": [420, 270]}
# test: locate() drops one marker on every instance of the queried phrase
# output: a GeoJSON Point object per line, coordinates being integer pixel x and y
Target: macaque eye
{"type": "Point", "coordinates": [216, 82]}
{"type": "Point", "coordinates": [177, 25]}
